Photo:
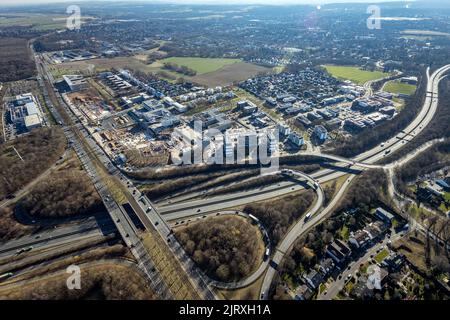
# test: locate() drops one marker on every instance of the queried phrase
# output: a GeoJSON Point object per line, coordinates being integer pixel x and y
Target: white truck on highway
{"type": "Point", "coordinates": [6, 276]}
{"type": "Point", "coordinates": [254, 218]}
{"type": "Point", "coordinates": [267, 254]}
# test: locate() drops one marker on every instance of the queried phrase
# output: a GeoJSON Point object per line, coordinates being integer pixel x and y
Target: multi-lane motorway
{"type": "Point", "coordinates": [76, 136]}
{"type": "Point", "coordinates": [368, 159]}
{"type": "Point", "coordinates": [140, 204]}
{"type": "Point", "coordinates": [422, 120]}
{"type": "Point", "coordinates": [158, 217]}
{"type": "Point", "coordinates": [185, 210]}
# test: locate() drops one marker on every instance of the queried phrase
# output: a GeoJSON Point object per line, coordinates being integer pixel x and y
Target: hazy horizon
{"type": "Point", "coordinates": [209, 2]}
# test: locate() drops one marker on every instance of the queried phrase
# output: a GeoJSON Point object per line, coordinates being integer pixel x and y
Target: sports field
{"type": "Point", "coordinates": [201, 65]}
{"type": "Point", "coordinates": [397, 87]}
{"type": "Point", "coordinates": [354, 74]}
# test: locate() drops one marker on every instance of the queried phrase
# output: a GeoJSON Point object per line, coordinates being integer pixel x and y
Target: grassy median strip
{"type": "Point", "coordinates": [168, 267]}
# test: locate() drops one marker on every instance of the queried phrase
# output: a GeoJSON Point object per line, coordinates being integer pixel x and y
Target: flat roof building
{"type": "Point", "coordinates": [75, 82]}
{"type": "Point", "coordinates": [320, 132]}
{"type": "Point", "coordinates": [32, 122]}
{"type": "Point", "coordinates": [25, 111]}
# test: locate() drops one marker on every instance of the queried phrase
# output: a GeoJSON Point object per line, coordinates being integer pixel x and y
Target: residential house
{"type": "Point", "coordinates": [314, 279]}
{"type": "Point", "coordinates": [338, 251]}
{"type": "Point", "coordinates": [366, 236]}
{"type": "Point", "coordinates": [394, 262]}
{"type": "Point", "coordinates": [326, 266]}
{"type": "Point", "coordinates": [303, 293]}
{"type": "Point", "coordinates": [384, 216]}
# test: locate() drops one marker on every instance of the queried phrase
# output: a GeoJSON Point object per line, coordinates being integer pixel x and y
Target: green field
{"type": "Point", "coordinates": [354, 74]}
{"type": "Point", "coordinates": [397, 87]}
{"type": "Point", "coordinates": [201, 65]}
{"type": "Point", "coordinates": [36, 21]}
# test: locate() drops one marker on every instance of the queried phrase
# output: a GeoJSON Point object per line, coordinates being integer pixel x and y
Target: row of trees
{"type": "Point", "coordinates": [226, 182]}
{"type": "Point", "coordinates": [179, 69]}
{"type": "Point", "coordinates": [187, 171]}
{"type": "Point", "coordinates": [226, 248]}
{"type": "Point", "coordinates": [38, 151]}
{"type": "Point", "coordinates": [306, 164]}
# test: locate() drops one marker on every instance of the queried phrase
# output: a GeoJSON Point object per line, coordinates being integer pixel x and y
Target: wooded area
{"type": "Point", "coordinates": [368, 190]}
{"type": "Point", "coordinates": [64, 193]}
{"type": "Point", "coordinates": [278, 215]}
{"type": "Point", "coordinates": [227, 248]}
{"type": "Point", "coordinates": [15, 60]}
{"type": "Point", "coordinates": [9, 227]}
{"type": "Point", "coordinates": [39, 151]}
{"type": "Point", "coordinates": [434, 159]}
{"type": "Point", "coordinates": [108, 282]}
